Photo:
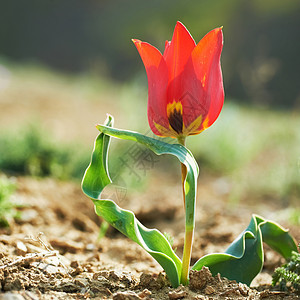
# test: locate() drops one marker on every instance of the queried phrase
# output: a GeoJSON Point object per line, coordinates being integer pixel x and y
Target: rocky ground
{"type": "Point", "coordinates": [54, 251]}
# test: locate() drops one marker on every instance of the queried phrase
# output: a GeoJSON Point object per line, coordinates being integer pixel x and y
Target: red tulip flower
{"type": "Point", "coordinates": [185, 86]}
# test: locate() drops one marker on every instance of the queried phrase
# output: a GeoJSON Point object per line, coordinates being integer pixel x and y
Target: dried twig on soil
{"type": "Point", "coordinates": [31, 256]}
{"type": "Point", "coordinates": [39, 239]}
{"type": "Point", "coordinates": [49, 252]}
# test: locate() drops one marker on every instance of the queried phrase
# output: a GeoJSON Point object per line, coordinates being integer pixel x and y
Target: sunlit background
{"type": "Point", "coordinates": [65, 64]}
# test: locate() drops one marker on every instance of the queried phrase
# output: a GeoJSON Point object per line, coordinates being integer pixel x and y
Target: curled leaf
{"type": "Point", "coordinates": [244, 259]}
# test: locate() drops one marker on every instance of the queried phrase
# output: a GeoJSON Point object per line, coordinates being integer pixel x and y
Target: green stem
{"type": "Point", "coordinates": [183, 176]}
{"type": "Point", "coordinates": [189, 231]}
{"type": "Point", "coordinates": [181, 140]}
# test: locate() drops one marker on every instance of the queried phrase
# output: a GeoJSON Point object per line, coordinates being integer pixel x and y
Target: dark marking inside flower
{"type": "Point", "coordinates": [175, 119]}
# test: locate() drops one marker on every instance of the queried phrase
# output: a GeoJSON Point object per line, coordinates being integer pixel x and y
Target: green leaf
{"type": "Point", "coordinates": [97, 177]}
{"type": "Point", "coordinates": [151, 240]}
{"type": "Point", "coordinates": [243, 259]}
{"type": "Point", "coordinates": [278, 238]}
{"type": "Point", "coordinates": [158, 147]}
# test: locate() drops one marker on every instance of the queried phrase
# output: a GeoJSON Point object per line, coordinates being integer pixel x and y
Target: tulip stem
{"type": "Point", "coordinates": [189, 231]}
{"type": "Point", "coordinates": [187, 251]}
{"type": "Point", "coordinates": [181, 141]}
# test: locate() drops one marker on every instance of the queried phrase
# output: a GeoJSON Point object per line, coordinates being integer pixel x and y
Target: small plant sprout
{"type": "Point", "coordinates": [7, 207]}
{"type": "Point", "coordinates": [185, 97]}
{"type": "Point", "coordinates": [288, 275]}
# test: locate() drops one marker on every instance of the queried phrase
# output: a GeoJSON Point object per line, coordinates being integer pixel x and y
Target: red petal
{"type": "Point", "coordinates": [150, 55]}
{"type": "Point", "coordinates": [207, 67]}
{"type": "Point", "coordinates": [176, 56]}
{"type": "Point", "coordinates": [157, 74]}
{"type": "Point", "coordinates": [167, 47]}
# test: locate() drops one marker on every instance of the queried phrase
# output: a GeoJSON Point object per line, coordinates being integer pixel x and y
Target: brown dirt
{"type": "Point", "coordinates": [68, 261]}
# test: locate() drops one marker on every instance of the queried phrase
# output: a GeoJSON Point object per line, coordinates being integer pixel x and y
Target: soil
{"type": "Point", "coordinates": [53, 250]}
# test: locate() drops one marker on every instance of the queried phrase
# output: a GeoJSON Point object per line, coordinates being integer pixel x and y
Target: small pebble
{"type": "Point", "coordinates": [90, 247]}
{"type": "Point", "coordinates": [177, 295]}
{"type": "Point", "coordinates": [21, 248]}
{"type": "Point", "coordinates": [145, 293]}
{"type": "Point", "coordinates": [129, 295]}
{"type": "Point", "coordinates": [31, 296]}
{"type": "Point", "coordinates": [209, 290]}
{"type": "Point", "coordinates": [243, 289]}
{"type": "Point", "coordinates": [11, 296]}
{"type": "Point", "coordinates": [74, 264]}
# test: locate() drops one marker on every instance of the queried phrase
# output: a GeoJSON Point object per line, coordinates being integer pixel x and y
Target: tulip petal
{"type": "Point", "coordinates": [150, 55]}
{"type": "Point", "coordinates": [157, 74]}
{"type": "Point", "coordinates": [176, 55]}
{"type": "Point", "coordinates": [167, 47]}
{"type": "Point", "coordinates": [207, 67]}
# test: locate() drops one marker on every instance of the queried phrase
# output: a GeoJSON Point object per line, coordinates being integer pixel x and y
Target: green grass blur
{"type": "Point", "coordinates": [255, 151]}
{"type": "Point", "coordinates": [7, 207]}
{"type": "Point", "coordinates": [30, 151]}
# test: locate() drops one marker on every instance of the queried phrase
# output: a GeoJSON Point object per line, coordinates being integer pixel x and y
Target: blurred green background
{"type": "Point", "coordinates": [260, 58]}
{"type": "Point", "coordinates": [64, 64]}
